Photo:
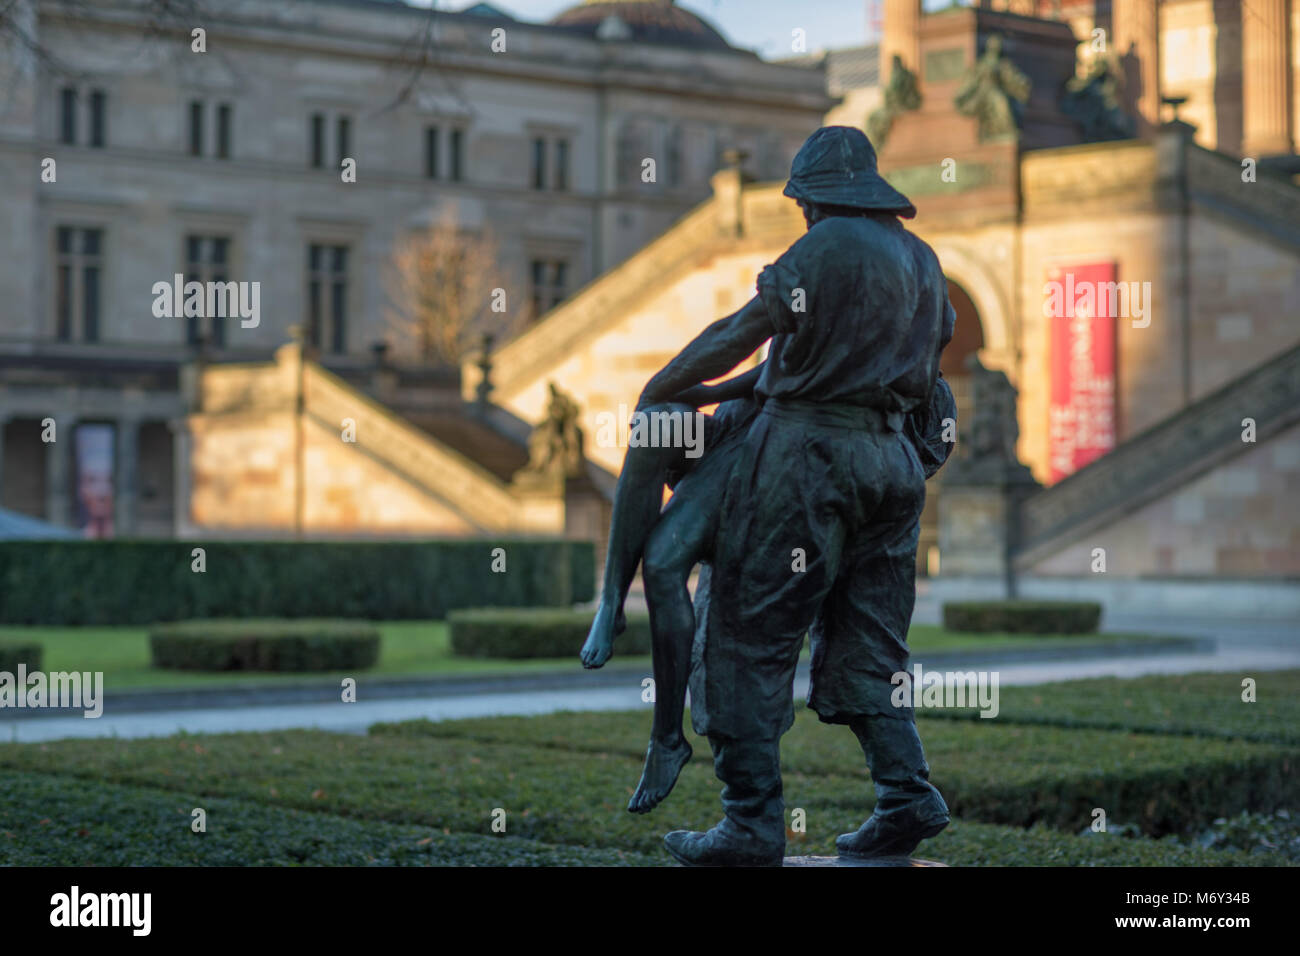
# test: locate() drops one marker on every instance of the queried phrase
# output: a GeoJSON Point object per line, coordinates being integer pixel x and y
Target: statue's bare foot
{"type": "Point", "coordinates": [600, 640]}
{"type": "Point", "coordinates": [663, 762]}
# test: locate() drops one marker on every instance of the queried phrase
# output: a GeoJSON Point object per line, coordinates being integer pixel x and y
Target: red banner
{"type": "Point", "coordinates": [1081, 424]}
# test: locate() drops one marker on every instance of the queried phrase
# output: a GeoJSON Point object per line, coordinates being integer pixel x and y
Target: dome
{"type": "Point", "coordinates": [642, 21]}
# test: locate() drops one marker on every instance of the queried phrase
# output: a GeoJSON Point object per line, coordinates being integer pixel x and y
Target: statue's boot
{"type": "Point", "coordinates": [752, 832]}
{"type": "Point", "coordinates": [909, 808]}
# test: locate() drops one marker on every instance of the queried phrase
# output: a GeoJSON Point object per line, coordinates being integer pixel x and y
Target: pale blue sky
{"type": "Point", "coordinates": [764, 26]}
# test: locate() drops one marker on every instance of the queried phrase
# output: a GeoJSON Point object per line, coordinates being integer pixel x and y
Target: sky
{"type": "Point", "coordinates": [765, 26]}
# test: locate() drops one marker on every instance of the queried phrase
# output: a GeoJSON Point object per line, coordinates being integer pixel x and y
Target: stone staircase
{"type": "Point", "coordinates": [737, 216]}
{"type": "Point", "coordinates": [447, 456]}
{"type": "Point", "coordinates": [1162, 458]}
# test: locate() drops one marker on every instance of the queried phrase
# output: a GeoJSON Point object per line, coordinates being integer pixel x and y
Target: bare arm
{"type": "Point", "coordinates": [712, 353]}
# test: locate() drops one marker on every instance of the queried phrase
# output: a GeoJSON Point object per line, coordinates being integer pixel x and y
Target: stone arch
{"type": "Point", "coordinates": [990, 298]}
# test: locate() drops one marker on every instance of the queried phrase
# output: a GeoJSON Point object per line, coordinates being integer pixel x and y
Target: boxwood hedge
{"type": "Point", "coordinates": [13, 653]}
{"type": "Point", "coordinates": [1022, 617]}
{"type": "Point", "coordinates": [536, 632]}
{"type": "Point", "coordinates": [265, 645]}
{"type": "Point", "coordinates": [142, 582]}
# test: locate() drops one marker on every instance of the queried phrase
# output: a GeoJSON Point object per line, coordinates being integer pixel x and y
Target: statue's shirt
{"type": "Point", "coordinates": [860, 307]}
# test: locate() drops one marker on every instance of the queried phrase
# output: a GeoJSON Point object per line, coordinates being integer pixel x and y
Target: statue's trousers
{"type": "Point", "coordinates": [817, 534]}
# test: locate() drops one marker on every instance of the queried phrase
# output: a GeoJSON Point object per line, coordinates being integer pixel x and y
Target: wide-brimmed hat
{"type": "Point", "coordinates": [837, 166]}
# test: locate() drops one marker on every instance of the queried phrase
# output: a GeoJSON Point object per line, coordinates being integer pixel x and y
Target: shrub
{"type": "Point", "coordinates": [304, 645]}
{"type": "Point", "coordinates": [536, 632]}
{"type": "Point", "coordinates": [13, 653]}
{"type": "Point", "coordinates": [1022, 617]}
{"type": "Point", "coordinates": [100, 582]}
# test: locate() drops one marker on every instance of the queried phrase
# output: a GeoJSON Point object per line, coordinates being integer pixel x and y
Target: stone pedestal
{"type": "Point", "coordinates": [975, 525]}
{"type": "Point", "coordinates": [844, 861]}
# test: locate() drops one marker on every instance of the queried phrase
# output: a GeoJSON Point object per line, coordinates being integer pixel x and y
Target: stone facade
{"type": "Point", "coordinates": [1236, 520]}
{"type": "Point", "coordinates": [163, 155]}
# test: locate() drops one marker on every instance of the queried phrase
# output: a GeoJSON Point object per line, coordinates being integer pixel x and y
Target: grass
{"type": "Point", "coordinates": [44, 822]}
{"type": "Point", "coordinates": [1023, 787]}
{"type": "Point", "coordinates": [565, 779]}
{"type": "Point", "coordinates": [419, 649]}
{"type": "Point", "coordinates": [1202, 705]}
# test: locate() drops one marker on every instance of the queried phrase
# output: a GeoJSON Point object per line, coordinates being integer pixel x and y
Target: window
{"type": "Point", "coordinates": [68, 115]}
{"type": "Point", "coordinates": [196, 128]}
{"type": "Point", "coordinates": [561, 164]}
{"type": "Point", "coordinates": [457, 149]}
{"type": "Point", "coordinates": [207, 259]}
{"type": "Point", "coordinates": [96, 117]}
{"type": "Point", "coordinates": [556, 176]}
{"type": "Point", "coordinates": [431, 152]}
{"type": "Point", "coordinates": [327, 286]}
{"type": "Point", "coordinates": [539, 163]}
{"type": "Point", "coordinates": [549, 281]}
{"type": "Point", "coordinates": [223, 131]}
{"type": "Point", "coordinates": [317, 140]}
{"type": "Point", "coordinates": [78, 262]}
{"type": "Point", "coordinates": [434, 167]}
{"type": "Point", "coordinates": [222, 116]}
{"type": "Point", "coordinates": [98, 105]}
{"type": "Point", "coordinates": [344, 142]}
{"type": "Point", "coordinates": [318, 147]}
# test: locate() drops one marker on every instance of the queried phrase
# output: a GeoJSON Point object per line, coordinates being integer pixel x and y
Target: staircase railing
{"type": "Point", "coordinates": [1147, 465]}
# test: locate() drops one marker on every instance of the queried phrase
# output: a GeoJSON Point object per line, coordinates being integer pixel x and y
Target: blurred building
{"type": "Point", "coordinates": [1136, 277]}
{"type": "Point", "coordinates": [220, 157]}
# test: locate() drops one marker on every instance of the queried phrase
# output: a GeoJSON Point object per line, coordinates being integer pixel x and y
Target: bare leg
{"type": "Point", "coordinates": [676, 545]}
{"type": "Point", "coordinates": [637, 502]}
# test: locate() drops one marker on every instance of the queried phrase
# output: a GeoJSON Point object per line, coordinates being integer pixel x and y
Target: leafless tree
{"type": "Point", "coordinates": [446, 289]}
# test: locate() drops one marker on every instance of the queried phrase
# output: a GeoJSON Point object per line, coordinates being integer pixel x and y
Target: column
{"type": "Point", "coordinates": [1266, 90]}
{"type": "Point", "coordinates": [58, 459]}
{"type": "Point", "coordinates": [125, 473]}
{"type": "Point", "coordinates": [4, 423]}
{"type": "Point", "coordinates": [1135, 37]}
{"type": "Point", "coordinates": [901, 29]}
{"type": "Point", "coordinates": [181, 477]}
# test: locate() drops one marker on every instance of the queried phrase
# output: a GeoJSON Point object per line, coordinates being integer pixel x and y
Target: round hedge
{"type": "Point", "coordinates": [13, 653]}
{"type": "Point", "coordinates": [265, 645]}
{"type": "Point", "coordinates": [536, 632]}
{"type": "Point", "coordinates": [1022, 617]}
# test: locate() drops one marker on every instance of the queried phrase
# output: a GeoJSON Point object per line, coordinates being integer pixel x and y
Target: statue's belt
{"type": "Point", "coordinates": [842, 416]}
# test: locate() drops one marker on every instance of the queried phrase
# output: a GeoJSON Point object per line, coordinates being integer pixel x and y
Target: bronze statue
{"type": "Point", "coordinates": [994, 92]}
{"type": "Point", "coordinates": [555, 445]}
{"type": "Point", "coordinates": [804, 512]}
{"type": "Point", "coordinates": [901, 93]}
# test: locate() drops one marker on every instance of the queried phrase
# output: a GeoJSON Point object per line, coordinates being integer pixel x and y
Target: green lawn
{"type": "Point", "coordinates": [420, 649]}
{"type": "Point", "coordinates": [417, 793]}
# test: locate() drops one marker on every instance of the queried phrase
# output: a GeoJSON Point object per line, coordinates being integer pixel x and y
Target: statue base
{"type": "Point", "coordinates": [848, 861]}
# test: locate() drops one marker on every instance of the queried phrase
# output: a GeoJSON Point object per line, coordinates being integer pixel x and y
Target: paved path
{"type": "Point", "coordinates": [356, 717]}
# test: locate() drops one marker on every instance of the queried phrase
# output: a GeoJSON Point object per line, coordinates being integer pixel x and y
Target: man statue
{"type": "Point", "coordinates": [807, 510]}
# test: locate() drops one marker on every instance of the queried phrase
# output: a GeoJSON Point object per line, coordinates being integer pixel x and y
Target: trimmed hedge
{"type": "Point", "coordinates": [1196, 705]}
{"type": "Point", "coordinates": [559, 794]}
{"type": "Point", "coordinates": [1022, 617]}
{"type": "Point", "coordinates": [536, 632]}
{"type": "Point", "coordinates": [142, 582]}
{"type": "Point", "coordinates": [113, 825]}
{"type": "Point", "coordinates": [294, 646]}
{"type": "Point", "coordinates": [987, 770]}
{"type": "Point", "coordinates": [13, 653]}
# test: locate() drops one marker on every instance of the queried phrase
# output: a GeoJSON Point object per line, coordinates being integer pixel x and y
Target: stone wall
{"type": "Point", "coordinates": [1238, 520]}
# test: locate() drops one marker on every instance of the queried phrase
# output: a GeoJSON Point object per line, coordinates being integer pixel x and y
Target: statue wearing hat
{"type": "Point", "coordinates": [804, 512]}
